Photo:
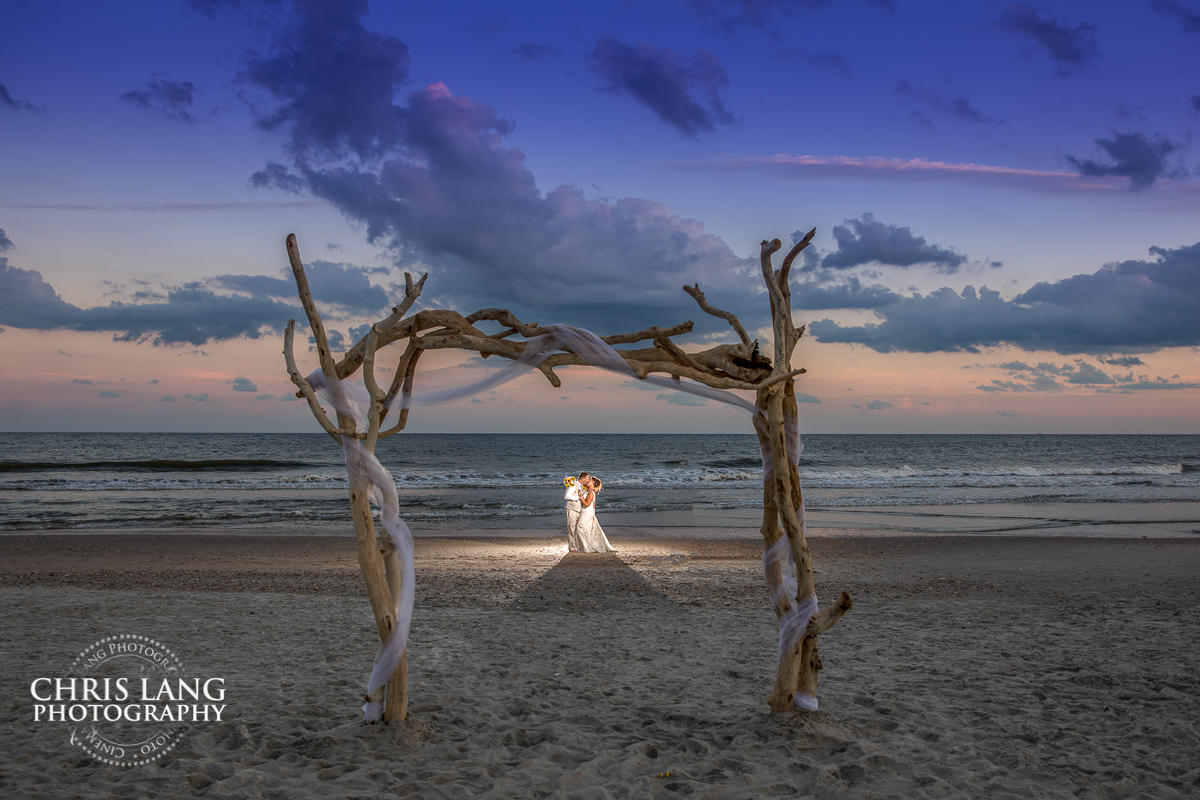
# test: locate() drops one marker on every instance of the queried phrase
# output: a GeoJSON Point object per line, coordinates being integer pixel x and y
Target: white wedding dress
{"type": "Point", "coordinates": [589, 535]}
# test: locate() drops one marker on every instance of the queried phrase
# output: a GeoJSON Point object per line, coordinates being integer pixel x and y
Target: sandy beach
{"type": "Point", "coordinates": [969, 667]}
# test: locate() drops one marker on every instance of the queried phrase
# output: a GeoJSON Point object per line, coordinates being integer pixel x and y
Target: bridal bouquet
{"type": "Point", "coordinates": [569, 481]}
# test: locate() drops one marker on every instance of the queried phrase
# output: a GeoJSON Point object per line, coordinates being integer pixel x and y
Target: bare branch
{"type": "Point", "coordinates": [314, 405]}
{"type": "Point", "coordinates": [653, 332]}
{"type": "Point", "coordinates": [402, 370]}
{"type": "Point", "coordinates": [764, 260]}
{"type": "Point", "coordinates": [411, 292]}
{"type": "Point", "coordinates": [369, 366]}
{"type": "Point", "coordinates": [375, 412]}
{"type": "Point", "coordinates": [774, 379]}
{"type": "Point", "coordinates": [676, 352]}
{"type": "Point", "coordinates": [406, 368]}
{"type": "Point", "coordinates": [310, 307]}
{"type": "Point", "coordinates": [504, 334]}
{"type": "Point", "coordinates": [728, 316]}
{"type": "Point", "coordinates": [789, 258]}
{"type": "Point", "coordinates": [508, 319]}
{"type": "Point", "coordinates": [826, 618]}
{"type": "Point", "coordinates": [644, 362]}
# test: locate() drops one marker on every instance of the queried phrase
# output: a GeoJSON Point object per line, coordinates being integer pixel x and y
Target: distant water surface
{"type": "Point", "coordinates": [466, 482]}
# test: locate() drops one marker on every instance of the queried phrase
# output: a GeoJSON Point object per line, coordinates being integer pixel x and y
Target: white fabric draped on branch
{"type": "Point", "coordinates": [364, 469]}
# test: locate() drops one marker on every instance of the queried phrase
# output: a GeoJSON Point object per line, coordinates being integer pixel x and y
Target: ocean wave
{"type": "Point", "coordinates": [734, 462]}
{"type": "Point", "coordinates": [289, 478]}
{"type": "Point", "coordinates": [153, 465]}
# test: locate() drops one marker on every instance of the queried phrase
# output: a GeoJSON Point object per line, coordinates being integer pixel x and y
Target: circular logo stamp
{"type": "Point", "coordinates": [128, 700]}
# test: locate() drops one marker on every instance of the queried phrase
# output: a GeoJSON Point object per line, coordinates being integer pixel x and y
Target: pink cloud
{"type": "Point", "coordinates": [885, 168]}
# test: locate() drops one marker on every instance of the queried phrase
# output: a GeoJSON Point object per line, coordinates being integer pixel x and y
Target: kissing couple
{"type": "Point", "coordinates": [584, 534]}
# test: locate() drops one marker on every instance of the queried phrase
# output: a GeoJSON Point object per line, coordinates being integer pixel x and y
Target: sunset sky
{"type": "Point", "coordinates": [1006, 198]}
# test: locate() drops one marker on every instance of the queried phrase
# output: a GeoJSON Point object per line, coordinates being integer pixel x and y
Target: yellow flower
{"type": "Point", "coordinates": [569, 480]}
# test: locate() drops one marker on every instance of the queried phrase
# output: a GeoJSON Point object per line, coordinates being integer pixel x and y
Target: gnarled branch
{"type": "Point", "coordinates": [728, 316]}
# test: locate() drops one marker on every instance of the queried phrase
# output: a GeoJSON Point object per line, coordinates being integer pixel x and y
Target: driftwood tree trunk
{"type": "Point", "coordinates": [731, 366]}
{"type": "Point", "coordinates": [783, 498]}
{"type": "Point", "coordinates": [376, 558]}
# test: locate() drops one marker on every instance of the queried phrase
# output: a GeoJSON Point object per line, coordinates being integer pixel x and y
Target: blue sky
{"type": "Point", "coordinates": [1005, 197]}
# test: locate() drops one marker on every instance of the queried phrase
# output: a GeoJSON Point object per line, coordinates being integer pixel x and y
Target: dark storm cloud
{"type": "Point", "coordinates": [529, 52]}
{"type": "Point", "coordinates": [110, 393]}
{"type": "Point", "coordinates": [335, 338]}
{"type": "Point", "coordinates": [1136, 156]}
{"type": "Point", "coordinates": [1070, 46]}
{"type": "Point", "coordinates": [191, 313]}
{"type": "Point", "coordinates": [1123, 361]}
{"type": "Point", "coordinates": [332, 80]}
{"type": "Point", "coordinates": [867, 240]}
{"type": "Point", "coordinates": [1136, 305]}
{"type": "Point", "coordinates": [343, 285]}
{"type": "Point", "coordinates": [462, 201]}
{"type": "Point", "coordinates": [1080, 372]}
{"type": "Point", "coordinates": [449, 196]}
{"type": "Point", "coordinates": [16, 104]}
{"type": "Point", "coordinates": [848, 292]}
{"type": "Point", "coordinates": [241, 384]}
{"type": "Point", "coordinates": [1044, 377]}
{"type": "Point", "coordinates": [957, 108]}
{"type": "Point", "coordinates": [5, 242]}
{"type": "Point", "coordinates": [1088, 375]}
{"type": "Point", "coordinates": [878, 405]}
{"type": "Point", "coordinates": [1188, 19]}
{"type": "Point", "coordinates": [682, 91]}
{"type": "Point", "coordinates": [26, 301]}
{"type": "Point", "coordinates": [172, 99]}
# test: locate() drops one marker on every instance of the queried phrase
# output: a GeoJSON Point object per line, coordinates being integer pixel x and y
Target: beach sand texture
{"type": "Point", "coordinates": [969, 667]}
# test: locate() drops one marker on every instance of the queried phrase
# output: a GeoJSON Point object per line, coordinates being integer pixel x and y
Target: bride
{"type": "Point", "coordinates": [589, 533]}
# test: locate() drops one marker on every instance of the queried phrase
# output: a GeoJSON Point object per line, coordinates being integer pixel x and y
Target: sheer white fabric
{"type": "Point", "coordinates": [364, 469]}
{"type": "Point", "coordinates": [590, 535]}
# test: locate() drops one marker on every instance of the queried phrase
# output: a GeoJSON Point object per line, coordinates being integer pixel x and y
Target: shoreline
{"type": "Point", "coordinates": [1090, 519]}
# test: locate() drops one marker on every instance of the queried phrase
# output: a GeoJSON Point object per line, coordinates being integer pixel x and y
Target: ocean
{"type": "Point", "coordinates": [464, 483]}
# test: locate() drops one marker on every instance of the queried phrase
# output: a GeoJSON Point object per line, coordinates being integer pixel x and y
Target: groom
{"type": "Point", "coordinates": [571, 496]}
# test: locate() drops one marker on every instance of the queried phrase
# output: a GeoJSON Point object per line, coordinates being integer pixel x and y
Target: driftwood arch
{"type": "Point", "coordinates": [727, 366]}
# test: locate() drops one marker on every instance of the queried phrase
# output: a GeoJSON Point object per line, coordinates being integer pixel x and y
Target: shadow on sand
{"type": "Point", "coordinates": [589, 582]}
